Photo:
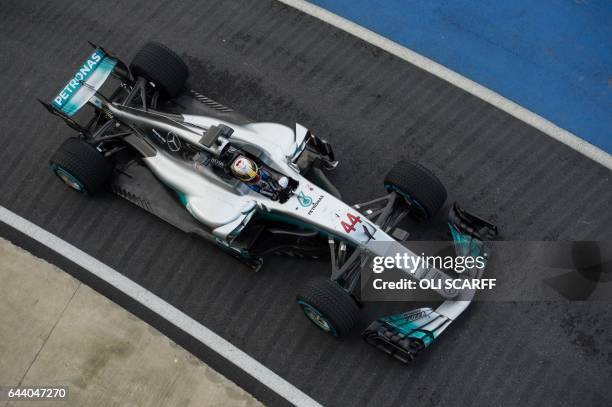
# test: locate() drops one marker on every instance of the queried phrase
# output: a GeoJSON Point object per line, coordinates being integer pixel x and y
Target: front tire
{"type": "Point", "coordinates": [328, 306]}
{"type": "Point", "coordinates": [163, 67]}
{"type": "Point", "coordinates": [80, 166]}
{"type": "Point", "coordinates": [418, 185]}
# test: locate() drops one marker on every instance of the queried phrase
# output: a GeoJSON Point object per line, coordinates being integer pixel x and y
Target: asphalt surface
{"type": "Point", "coordinates": [275, 64]}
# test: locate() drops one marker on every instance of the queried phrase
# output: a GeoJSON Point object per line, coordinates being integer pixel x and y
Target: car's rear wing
{"type": "Point", "coordinates": [86, 81]}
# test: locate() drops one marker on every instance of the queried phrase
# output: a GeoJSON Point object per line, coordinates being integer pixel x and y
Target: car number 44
{"type": "Point", "coordinates": [352, 221]}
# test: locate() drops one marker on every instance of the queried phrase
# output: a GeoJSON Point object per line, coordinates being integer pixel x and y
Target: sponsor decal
{"type": "Point", "coordinates": [82, 74]}
{"type": "Point", "coordinates": [173, 142]}
{"type": "Point", "coordinates": [415, 315]}
{"type": "Point", "coordinates": [304, 199]}
{"type": "Point", "coordinates": [315, 204]}
{"type": "Point", "coordinates": [307, 201]}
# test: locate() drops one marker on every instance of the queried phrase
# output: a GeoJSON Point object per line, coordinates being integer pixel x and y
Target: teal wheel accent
{"type": "Point", "coordinates": [317, 318]}
{"type": "Point", "coordinates": [419, 187]}
{"type": "Point", "coordinates": [68, 178]}
{"type": "Point", "coordinates": [393, 188]}
{"type": "Point", "coordinates": [81, 166]}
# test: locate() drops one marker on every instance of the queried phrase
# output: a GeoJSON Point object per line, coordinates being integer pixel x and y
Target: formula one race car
{"type": "Point", "coordinates": [252, 188]}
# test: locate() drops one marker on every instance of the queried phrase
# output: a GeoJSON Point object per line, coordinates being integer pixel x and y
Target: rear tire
{"type": "Point", "coordinates": [80, 166]}
{"type": "Point", "coordinates": [418, 185]}
{"type": "Point", "coordinates": [328, 306]}
{"type": "Point", "coordinates": [163, 67]}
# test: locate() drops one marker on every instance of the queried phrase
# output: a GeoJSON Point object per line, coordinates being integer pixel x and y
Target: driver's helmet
{"type": "Point", "coordinates": [245, 169]}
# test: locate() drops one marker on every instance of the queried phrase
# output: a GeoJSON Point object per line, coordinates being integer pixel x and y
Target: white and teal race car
{"type": "Point", "coordinates": [253, 188]}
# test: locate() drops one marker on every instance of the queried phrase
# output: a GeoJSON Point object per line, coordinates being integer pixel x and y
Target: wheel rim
{"type": "Point", "coordinates": [317, 318]}
{"type": "Point", "coordinates": [69, 179]}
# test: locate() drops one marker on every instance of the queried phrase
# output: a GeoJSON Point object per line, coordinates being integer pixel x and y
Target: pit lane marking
{"type": "Point", "coordinates": [165, 310]}
{"type": "Point", "coordinates": [493, 98]}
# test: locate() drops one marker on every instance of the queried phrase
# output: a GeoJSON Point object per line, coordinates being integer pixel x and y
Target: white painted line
{"type": "Point", "coordinates": [489, 96]}
{"type": "Point", "coordinates": [160, 307]}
